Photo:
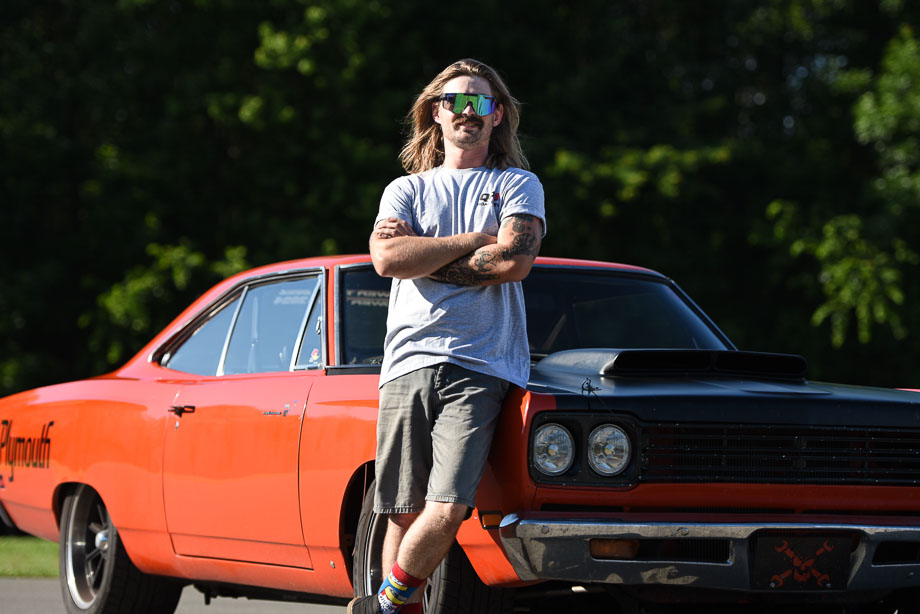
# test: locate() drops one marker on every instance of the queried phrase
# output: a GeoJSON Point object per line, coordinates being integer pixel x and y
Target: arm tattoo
{"type": "Point", "coordinates": [526, 239]}
{"type": "Point", "coordinates": [470, 270]}
{"type": "Point", "coordinates": [479, 267]}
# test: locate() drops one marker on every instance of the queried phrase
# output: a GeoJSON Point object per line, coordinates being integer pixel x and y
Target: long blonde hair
{"type": "Point", "coordinates": [424, 149]}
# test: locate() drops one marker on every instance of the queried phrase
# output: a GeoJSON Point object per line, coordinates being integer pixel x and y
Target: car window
{"type": "Point", "coordinates": [363, 300]}
{"type": "Point", "coordinates": [268, 325]}
{"type": "Point", "coordinates": [311, 347]}
{"type": "Point", "coordinates": [568, 309]}
{"type": "Point", "coordinates": [200, 353]}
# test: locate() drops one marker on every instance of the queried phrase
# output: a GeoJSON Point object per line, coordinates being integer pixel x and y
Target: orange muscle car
{"type": "Point", "coordinates": [648, 458]}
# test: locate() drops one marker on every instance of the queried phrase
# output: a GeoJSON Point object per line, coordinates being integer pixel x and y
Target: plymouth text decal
{"type": "Point", "coordinates": [24, 451]}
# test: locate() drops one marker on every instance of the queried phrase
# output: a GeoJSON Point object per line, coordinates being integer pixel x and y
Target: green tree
{"type": "Point", "coordinates": [762, 153]}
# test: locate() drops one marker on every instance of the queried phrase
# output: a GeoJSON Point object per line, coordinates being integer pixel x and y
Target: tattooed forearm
{"type": "Point", "coordinates": [471, 270]}
{"type": "Point", "coordinates": [490, 263]}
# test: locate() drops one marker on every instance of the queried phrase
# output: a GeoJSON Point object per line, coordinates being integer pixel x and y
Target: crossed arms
{"type": "Point", "coordinates": [468, 259]}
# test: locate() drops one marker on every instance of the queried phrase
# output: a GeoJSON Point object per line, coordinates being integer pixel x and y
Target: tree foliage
{"type": "Point", "coordinates": [764, 154]}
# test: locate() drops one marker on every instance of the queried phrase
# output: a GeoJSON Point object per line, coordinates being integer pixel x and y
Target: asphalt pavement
{"type": "Point", "coordinates": [43, 596]}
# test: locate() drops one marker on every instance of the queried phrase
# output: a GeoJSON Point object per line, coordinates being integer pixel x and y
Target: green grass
{"type": "Point", "coordinates": [28, 557]}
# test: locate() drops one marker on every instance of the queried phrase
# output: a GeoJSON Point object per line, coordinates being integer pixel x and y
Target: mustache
{"type": "Point", "coordinates": [469, 120]}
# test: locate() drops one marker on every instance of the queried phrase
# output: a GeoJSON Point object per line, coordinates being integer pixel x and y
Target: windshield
{"type": "Point", "coordinates": [567, 308]}
{"type": "Point", "coordinates": [571, 309]}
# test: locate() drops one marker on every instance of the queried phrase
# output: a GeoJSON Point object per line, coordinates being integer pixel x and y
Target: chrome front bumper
{"type": "Point", "coordinates": [556, 548]}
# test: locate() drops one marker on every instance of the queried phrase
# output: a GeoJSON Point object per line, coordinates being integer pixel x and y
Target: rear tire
{"type": "Point", "coordinates": [96, 575]}
{"type": "Point", "coordinates": [454, 587]}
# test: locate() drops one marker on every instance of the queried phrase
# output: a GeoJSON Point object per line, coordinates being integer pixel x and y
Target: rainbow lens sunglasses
{"type": "Point", "coordinates": [482, 104]}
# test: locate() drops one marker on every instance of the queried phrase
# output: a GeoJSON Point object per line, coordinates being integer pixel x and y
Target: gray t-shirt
{"type": "Point", "coordinates": [481, 328]}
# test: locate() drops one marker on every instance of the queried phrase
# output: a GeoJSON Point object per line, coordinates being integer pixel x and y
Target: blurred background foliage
{"type": "Point", "coordinates": [764, 153]}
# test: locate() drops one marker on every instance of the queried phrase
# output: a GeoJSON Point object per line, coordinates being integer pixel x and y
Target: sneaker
{"type": "Point", "coordinates": [364, 605]}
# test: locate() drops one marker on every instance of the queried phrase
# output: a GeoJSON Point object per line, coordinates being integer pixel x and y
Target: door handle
{"type": "Point", "coordinates": [182, 409]}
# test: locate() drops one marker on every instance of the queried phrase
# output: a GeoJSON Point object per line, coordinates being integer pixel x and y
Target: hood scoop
{"type": "Point", "coordinates": [671, 363]}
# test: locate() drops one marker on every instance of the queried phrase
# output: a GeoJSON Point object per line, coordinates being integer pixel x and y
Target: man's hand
{"type": "Point", "coordinates": [393, 227]}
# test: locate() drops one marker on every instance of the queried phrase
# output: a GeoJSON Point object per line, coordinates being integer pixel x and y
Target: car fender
{"type": "Point", "coordinates": [105, 433]}
{"type": "Point", "coordinates": [505, 488]}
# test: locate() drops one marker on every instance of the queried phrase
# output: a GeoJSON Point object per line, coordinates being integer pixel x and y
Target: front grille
{"type": "Point", "coordinates": [780, 454]}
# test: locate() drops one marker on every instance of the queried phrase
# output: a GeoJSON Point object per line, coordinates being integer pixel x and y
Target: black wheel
{"type": "Point", "coordinates": [97, 577]}
{"type": "Point", "coordinates": [454, 587]}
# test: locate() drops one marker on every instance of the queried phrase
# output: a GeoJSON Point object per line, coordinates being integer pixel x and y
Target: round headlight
{"type": "Point", "coordinates": [608, 449]}
{"type": "Point", "coordinates": [553, 449]}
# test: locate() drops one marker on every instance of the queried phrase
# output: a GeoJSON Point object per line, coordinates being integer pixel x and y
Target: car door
{"type": "Point", "coordinates": [230, 467]}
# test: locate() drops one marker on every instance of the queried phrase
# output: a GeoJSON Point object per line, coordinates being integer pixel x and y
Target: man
{"type": "Point", "coordinates": [457, 235]}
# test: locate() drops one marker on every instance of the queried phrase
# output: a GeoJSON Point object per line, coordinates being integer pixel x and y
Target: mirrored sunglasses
{"type": "Point", "coordinates": [456, 103]}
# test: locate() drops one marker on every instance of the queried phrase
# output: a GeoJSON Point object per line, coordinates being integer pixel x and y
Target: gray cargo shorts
{"type": "Point", "coordinates": [434, 431]}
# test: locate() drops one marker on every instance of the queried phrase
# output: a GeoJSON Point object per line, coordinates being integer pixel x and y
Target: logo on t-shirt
{"type": "Point", "coordinates": [494, 199]}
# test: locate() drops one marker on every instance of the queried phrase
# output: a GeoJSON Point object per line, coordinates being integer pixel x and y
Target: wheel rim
{"type": "Point", "coordinates": [427, 597]}
{"type": "Point", "coordinates": [373, 552]}
{"type": "Point", "coordinates": [88, 546]}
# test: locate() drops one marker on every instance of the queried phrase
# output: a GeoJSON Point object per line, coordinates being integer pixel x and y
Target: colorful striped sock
{"type": "Point", "coordinates": [396, 589]}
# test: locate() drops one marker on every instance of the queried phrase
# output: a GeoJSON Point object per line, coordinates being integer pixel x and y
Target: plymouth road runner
{"type": "Point", "coordinates": [647, 458]}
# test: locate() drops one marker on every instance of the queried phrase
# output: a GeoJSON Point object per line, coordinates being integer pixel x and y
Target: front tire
{"type": "Point", "coordinates": [97, 577]}
{"type": "Point", "coordinates": [453, 588]}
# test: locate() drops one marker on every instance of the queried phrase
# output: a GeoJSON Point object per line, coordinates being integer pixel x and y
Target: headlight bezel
{"type": "Point", "coordinates": [580, 424]}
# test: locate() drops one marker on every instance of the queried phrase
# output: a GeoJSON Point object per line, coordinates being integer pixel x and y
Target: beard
{"type": "Point", "coordinates": [464, 139]}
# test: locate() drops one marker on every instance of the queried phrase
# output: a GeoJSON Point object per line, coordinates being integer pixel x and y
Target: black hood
{"type": "Point", "coordinates": [712, 385]}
